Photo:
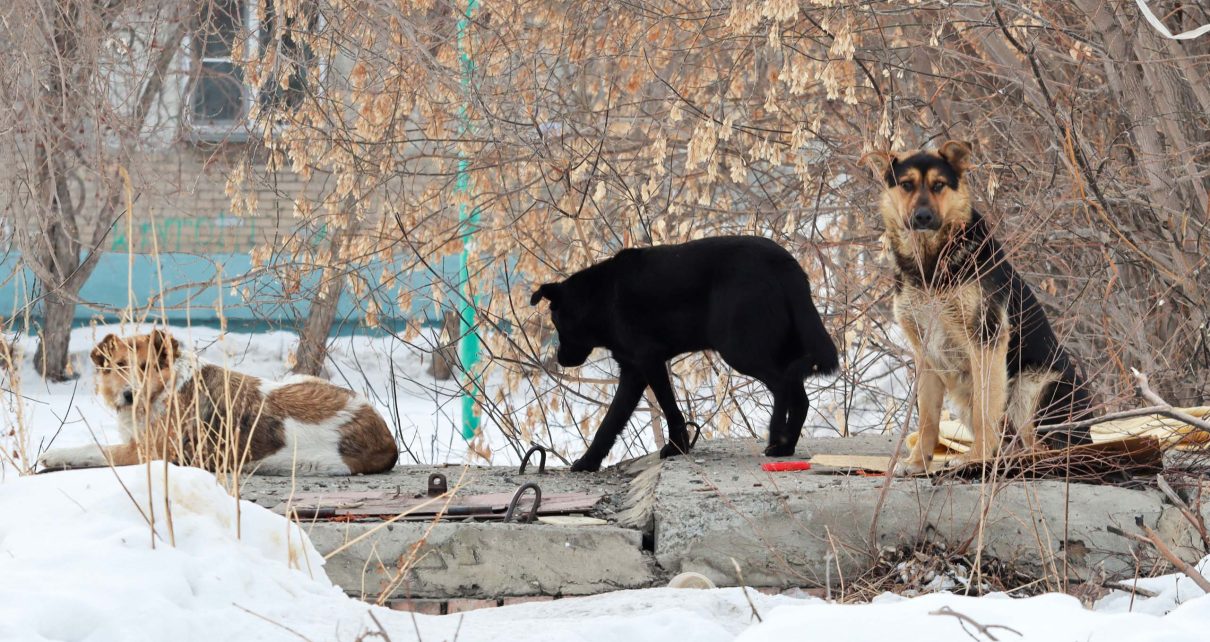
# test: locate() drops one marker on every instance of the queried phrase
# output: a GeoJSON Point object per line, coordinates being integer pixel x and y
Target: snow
{"type": "Point", "coordinates": [78, 562]}
{"type": "Point", "coordinates": [942, 617]}
{"type": "Point", "coordinates": [425, 413]}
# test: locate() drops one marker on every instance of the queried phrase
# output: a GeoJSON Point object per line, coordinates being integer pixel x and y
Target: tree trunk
{"type": "Point", "coordinates": [51, 358]}
{"type": "Point", "coordinates": [445, 357]}
{"type": "Point", "coordinates": [313, 338]}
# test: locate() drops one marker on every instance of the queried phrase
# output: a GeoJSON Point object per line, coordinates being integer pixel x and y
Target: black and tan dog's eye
{"type": "Point", "coordinates": [937, 187]}
{"type": "Point", "coordinates": [908, 186]}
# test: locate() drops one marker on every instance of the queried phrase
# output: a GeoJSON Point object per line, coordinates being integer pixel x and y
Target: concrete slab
{"type": "Point", "coordinates": [472, 559]}
{"type": "Point", "coordinates": [698, 513]}
{"type": "Point", "coordinates": [802, 528]}
{"type": "Point", "coordinates": [272, 491]}
{"type": "Point", "coordinates": [482, 560]}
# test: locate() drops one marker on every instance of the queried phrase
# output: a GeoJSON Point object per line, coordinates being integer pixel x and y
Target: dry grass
{"type": "Point", "coordinates": [931, 567]}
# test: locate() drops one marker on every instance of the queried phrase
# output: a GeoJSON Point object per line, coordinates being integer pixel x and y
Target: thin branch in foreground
{"type": "Point", "coordinates": [1144, 389]}
{"type": "Point", "coordinates": [1190, 516]}
{"type": "Point", "coordinates": [983, 629]}
{"type": "Point", "coordinates": [1153, 538]}
{"type": "Point", "coordinates": [740, 576]}
{"type": "Point", "coordinates": [1129, 588]}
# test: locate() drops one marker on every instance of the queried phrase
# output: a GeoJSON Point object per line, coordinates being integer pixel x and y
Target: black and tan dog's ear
{"type": "Point", "coordinates": [164, 346]}
{"type": "Point", "coordinates": [881, 163]}
{"type": "Point", "coordinates": [549, 291]}
{"type": "Point", "coordinates": [104, 350]}
{"type": "Point", "coordinates": [957, 153]}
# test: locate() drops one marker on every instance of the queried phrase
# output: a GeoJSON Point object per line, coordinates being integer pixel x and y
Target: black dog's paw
{"type": "Point", "coordinates": [672, 450]}
{"type": "Point", "coordinates": [585, 466]}
{"type": "Point", "coordinates": [779, 450]}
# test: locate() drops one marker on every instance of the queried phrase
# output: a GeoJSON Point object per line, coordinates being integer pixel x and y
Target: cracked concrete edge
{"type": "Point", "coordinates": [813, 538]}
{"type": "Point", "coordinates": [482, 560]}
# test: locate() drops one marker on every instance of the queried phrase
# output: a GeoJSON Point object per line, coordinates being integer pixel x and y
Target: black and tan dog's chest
{"type": "Point", "coordinates": [942, 327]}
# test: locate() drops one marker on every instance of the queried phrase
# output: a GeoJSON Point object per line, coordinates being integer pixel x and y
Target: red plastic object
{"type": "Point", "coordinates": [785, 466]}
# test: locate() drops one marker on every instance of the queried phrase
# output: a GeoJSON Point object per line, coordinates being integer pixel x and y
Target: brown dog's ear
{"type": "Point", "coordinates": [957, 153]}
{"type": "Point", "coordinates": [881, 163]}
{"type": "Point", "coordinates": [104, 350]}
{"type": "Point", "coordinates": [549, 291]}
{"type": "Point", "coordinates": [164, 346]}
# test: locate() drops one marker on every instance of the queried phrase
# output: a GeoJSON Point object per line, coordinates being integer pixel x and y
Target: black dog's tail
{"type": "Point", "coordinates": [820, 356]}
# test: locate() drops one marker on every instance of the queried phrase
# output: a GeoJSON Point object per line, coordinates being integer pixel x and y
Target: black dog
{"type": "Point", "coordinates": [742, 296]}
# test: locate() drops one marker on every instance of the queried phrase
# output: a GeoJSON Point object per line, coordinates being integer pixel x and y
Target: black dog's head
{"type": "Point", "coordinates": [925, 194]}
{"type": "Point", "coordinates": [572, 321]}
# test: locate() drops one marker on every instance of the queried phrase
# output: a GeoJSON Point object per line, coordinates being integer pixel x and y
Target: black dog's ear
{"type": "Point", "coordinates": [548, 291]}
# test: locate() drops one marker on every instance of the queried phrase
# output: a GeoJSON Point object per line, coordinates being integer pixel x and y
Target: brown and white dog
{"type": "Point", "coordinates": [173, 406]}
{"type": "Point", "coordinates": [977, 332]}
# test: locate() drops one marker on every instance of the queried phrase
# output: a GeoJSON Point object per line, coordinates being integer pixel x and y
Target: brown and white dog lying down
{"type": "Point", "coordinates": [173, 406]}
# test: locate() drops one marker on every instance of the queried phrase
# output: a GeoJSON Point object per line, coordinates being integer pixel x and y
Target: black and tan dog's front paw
{"type": "Point", "coordinates": [915, 464]}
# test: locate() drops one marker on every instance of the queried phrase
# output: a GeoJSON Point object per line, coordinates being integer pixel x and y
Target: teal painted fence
{"type": "Point", "coordinates": [191, 292]}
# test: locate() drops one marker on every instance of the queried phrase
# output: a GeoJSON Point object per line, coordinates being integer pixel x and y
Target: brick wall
{"type": "Point", "coordinates": [184, 206]}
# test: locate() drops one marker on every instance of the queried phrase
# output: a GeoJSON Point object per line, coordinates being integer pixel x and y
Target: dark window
{"type": "Point", "coordinates": [220, 97]}
{"type": "Point", "coordinates": [293, 57]}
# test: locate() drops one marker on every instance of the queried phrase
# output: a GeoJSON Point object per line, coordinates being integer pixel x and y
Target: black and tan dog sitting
{"type": "Point", "coordinates": [977, 331]}
{"type": "Point", "coordinates": [743, 296]}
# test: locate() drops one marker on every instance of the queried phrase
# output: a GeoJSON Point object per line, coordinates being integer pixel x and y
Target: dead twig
{"type": "Point", "coordinates": [381, 632]}
{"type": "Point", "coordinates": [1145, 391]}
{"type": "Point", "coordinates": [277, 624]}
{"type": "Point", "coordinates": [739, 575]}
{"type": "Point", "coordinates": [1193, 518]}
{"type": "Point", "coordinates": [1153, 538]}
{"type": "Point", "coordinates": [983, 629]}
{"type": "Point", "coordinates": [1129, 588]}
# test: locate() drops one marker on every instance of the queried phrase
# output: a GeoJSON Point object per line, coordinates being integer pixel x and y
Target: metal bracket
{"type": "Point", "coordinates": [697, 433]}
{"type": "Point", "coordinates": [533, 511]}
{"type": "Point", "coordinates": [437, 485]}
{"type": "Point", "coordinates": [541, 462]}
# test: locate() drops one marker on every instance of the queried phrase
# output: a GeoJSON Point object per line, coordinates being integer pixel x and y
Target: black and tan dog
{"type": "Point", "coordinates": [977, 331]}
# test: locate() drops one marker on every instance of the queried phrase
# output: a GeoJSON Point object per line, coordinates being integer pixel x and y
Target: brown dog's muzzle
{"type": "Point", "coordinates": [925, 219]}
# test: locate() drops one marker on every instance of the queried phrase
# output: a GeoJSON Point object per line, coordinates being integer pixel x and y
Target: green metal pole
{"type": "Point", "coordinates": [468, 219]}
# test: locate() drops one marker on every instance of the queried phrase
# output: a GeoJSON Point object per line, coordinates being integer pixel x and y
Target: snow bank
{"type": "Point", "coordinates": [944, 617]}
{"type": "Point", "coordinates": [77, 562]}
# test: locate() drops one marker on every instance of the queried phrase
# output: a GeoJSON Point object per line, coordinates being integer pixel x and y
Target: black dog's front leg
{"type": "Point", "coordinates": [630, 388]}
{"type": "Point", "coordinates": [678, 436]}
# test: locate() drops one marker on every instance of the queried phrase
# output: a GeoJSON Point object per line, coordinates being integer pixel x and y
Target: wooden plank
{"type": "Point", "coordinates": [1102, 461]}
{"type": "Point", "coordinates": [1099, 461]}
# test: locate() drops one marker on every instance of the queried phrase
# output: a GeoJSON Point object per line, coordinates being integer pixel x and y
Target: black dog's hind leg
{"type": "Point", "coordinates": [678, 436]}
{"type": "Point", "coordinates": [777, 423]}
{"type": "Point", "coordinates": [783, 444]}
{"type": "Point", "coordinates": [630, 388]}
